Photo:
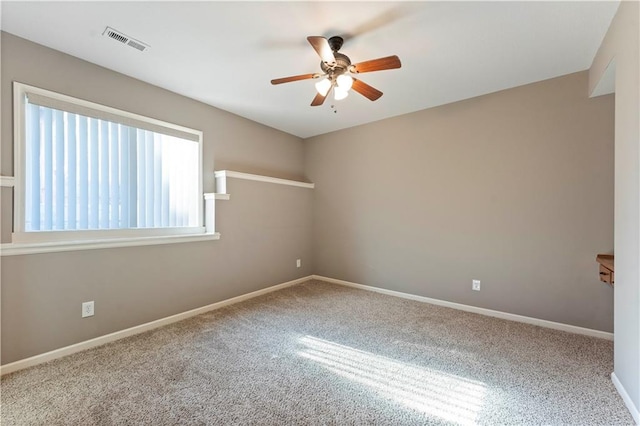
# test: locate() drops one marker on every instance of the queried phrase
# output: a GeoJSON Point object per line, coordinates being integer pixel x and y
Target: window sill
{"type": "Point", "coordinates": [16, 249]}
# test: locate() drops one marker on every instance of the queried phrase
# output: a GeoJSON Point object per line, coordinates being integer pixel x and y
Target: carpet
{"type": "Point", "coordinates": [318, 353]}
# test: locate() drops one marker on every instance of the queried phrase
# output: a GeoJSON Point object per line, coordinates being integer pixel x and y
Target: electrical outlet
{"type": "Point", "coordinates": [298, 263]}
{"type": "Point", "coordinates": [475, 285]}
{"type": "Point", "coordinates": [87, 309]}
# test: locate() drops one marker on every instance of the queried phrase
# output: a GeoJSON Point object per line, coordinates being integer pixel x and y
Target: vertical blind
{"type": "Point", "coordinates": [87, 173]}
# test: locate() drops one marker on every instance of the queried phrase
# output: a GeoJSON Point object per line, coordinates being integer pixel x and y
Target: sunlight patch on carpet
{"type": "Point", "coordinates": [447, 396]}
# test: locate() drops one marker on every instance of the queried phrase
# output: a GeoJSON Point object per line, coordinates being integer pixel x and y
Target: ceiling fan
{"type": "Point", "coordinates": [337, 69]}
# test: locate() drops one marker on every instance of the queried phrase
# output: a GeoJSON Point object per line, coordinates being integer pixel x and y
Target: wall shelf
{"type": "Point", "coordinates": [216, 196]}
{"type": "Point", "coordinates": [222, 175]}
{"type": "Point", "coordinates": [7, 181]}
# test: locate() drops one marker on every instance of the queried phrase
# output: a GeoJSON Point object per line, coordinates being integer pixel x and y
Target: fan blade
{"type": "Point", "coordinates": [319, 99]}
{"type": "Point", "coordinates": [365, 90]}
{"type": "Point", "coordinates": [321, 45]}
{"type": "Point", "coordinates": [293, 78]}
{"type": "Point", "coordinates": [390, 62]}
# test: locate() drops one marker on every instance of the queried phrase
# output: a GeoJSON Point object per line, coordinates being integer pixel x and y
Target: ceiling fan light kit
{"type": "Point", "coordinates": [323, 86]}
{"type": "Point", "coordinates": [344, 81]}
{"type": "Point", "coordinates": [339, 94]}
{"type": "Point", "coordinates": [336, 68]}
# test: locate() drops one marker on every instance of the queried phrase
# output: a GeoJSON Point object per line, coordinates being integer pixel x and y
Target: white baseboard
{"type": "Point", "coordinates": [626, 398]}
{"type": "Point", "coordinates": [474, 309]}
{"type": "Point", "coordinates": [98, 341]}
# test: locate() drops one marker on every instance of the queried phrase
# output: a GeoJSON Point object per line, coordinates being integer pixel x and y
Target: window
{"type": "Point", "coordinates": [89, 172]}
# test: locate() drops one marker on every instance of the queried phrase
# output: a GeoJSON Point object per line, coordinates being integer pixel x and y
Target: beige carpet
{"type": "Point", "coordinates": [318, 353]}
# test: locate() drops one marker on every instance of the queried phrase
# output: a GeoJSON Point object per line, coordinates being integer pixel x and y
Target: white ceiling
{"type": "Point", "coordinates": [226, 53]}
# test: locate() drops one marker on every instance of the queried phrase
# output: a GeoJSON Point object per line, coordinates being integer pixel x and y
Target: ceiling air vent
{"type": "Point", "coordinates": [118, 36]}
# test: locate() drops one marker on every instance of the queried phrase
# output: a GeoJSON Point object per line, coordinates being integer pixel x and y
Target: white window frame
{"type": "Point", "coordinates": [24, 242]}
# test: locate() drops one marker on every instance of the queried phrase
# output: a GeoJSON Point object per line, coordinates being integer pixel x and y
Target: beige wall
{"type": "Point", "coordinates": [513, 188]}
{"type": "Point", "coordinates": [264, 227]}
{"type": "Point", "coordinates": [622, 45]}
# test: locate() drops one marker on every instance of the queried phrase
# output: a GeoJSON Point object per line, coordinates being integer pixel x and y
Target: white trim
{"type": "Point", "coordinates": [626, 398]}
{"type": "Point", "coordinates": [224, 174]}
{"type": "Point", "coordinates": [482, 311]}
{"type": "Point", "coordinates": [23, 90]}
{"type": "Point", "coordinates": [98, 341]}
{"type": "Point", "coordinates": [210, 213]}
{"type": "Point", "coordinates": [19, 156]}
{"type": "Point", "coordinates": [15, 249]}
{"type": "Point", "coordinates": [79, 236]}
{"type": "Point", "coordinates": [216, 196]}
{"type": "Point", "coordinates": [7, 181]}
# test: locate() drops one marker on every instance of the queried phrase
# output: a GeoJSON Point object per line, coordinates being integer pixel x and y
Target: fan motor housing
{"type": "Point", "coordinates": [342, 64]}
